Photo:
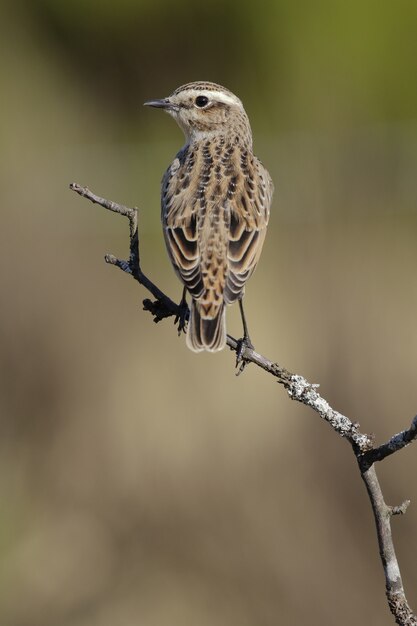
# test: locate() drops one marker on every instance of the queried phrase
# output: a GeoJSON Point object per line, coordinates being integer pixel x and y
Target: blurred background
{"type": "Point", "coordinates": [141, 483]}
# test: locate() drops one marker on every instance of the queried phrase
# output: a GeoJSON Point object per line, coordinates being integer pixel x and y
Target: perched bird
{"type": "Point", "coordinates": [216, 197]}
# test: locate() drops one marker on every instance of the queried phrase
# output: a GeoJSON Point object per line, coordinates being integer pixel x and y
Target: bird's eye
{"type": "Point", "coordinates": [201, 101]}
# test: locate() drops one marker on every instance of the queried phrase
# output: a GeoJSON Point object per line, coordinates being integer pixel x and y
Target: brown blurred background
{"type": "Point", "coordinates": [144, 484]}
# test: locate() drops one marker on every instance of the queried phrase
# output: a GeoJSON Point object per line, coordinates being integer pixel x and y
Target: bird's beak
{"type": "Point", "coordinates": [165, 103]}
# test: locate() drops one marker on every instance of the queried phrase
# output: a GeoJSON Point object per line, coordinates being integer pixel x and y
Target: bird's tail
{"type": "Point", "coordinates": [206, 333]}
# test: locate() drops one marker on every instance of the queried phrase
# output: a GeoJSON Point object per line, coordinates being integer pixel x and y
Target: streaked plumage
{"type": "Point", "coordinates": [216, 197]}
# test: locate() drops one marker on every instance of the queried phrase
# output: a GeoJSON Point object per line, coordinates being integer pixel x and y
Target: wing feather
{"type": "Point", "coordinates": [215, 223]}
{"type": "Point", "coordinates": [179, 218]}
{"type": "Point", "coordinates": [249, 218]}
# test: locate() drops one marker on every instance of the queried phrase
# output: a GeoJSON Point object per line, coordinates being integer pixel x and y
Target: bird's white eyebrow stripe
{"type": "Point", "coordinates": [215, 95]}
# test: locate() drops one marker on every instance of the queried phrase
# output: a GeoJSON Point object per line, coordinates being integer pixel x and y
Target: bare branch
{"type": "Point", "coordinates": [299, 389]}
{"type": "Point", "coordinates": [382, 514]}
{"type": "Point", "coordinates": [401, 509]}
{"type": "Point", "coordinates": [132, 266]}
{"type": "Point", "coordinates": [397, 442]}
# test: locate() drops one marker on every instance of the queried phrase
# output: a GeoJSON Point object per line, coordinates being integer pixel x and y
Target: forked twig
{"type": "Point", "coordinates": [298, 388]}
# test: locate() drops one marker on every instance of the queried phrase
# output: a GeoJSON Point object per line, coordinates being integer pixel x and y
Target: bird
{"type": "Point", "coordinates": [215, 204]}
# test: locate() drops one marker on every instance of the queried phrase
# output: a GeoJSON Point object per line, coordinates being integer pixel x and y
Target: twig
{"type": "Point", "coordinates": [394, 587]}
{"type": "Point", "coordinates": [299, 389]}
{"type": "Point", "coordinates": [403, 439]}
{"type": "Point", "coordinates": [132, 266]}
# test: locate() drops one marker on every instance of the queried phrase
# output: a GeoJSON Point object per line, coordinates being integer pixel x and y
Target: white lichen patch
{"type": "Point", "coordinates": [306, 393]}
{"type": "Point", "coordinates": [393, 572]}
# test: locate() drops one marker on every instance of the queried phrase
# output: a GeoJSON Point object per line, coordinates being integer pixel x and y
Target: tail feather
{"type": "Point", "coordinates": [206, 333]}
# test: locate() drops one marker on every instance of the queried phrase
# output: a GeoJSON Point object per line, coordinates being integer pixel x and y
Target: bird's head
{"type": "Point", "coordinates": [205, 110]}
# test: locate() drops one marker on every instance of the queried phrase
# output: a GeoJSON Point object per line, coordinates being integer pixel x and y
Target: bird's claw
{"type": "Point", "coordinates": [182, 317]}
{"type": "Point", "coordinates": [242, 345]}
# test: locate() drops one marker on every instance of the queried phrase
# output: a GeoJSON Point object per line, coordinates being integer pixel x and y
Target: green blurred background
{"type": "Point", "coordinates": [144, 484]}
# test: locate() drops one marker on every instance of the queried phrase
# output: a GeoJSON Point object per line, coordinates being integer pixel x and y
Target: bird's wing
{"type": "Point", "coordinates": [215, 224]}
{"type": "Point", "coordinates": [250, 200]}
{"type": "Point", "coordinates": [196, 219]}
{"type": "Point", "coordinates": [179, 218]}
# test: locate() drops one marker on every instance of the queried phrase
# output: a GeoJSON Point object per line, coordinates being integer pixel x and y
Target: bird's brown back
{"type": "Point", "coordinates": [216, 197]}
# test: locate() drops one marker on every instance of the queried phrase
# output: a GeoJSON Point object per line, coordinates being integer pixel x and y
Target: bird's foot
{"type": "Point", "coordinates": [243, 345]}
{"type": "Point", "coordinates": [182, 316]}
